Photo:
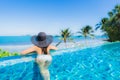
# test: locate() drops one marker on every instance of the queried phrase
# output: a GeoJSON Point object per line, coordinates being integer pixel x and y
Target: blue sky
{"type": "Point", "coordinates": [22, 17]}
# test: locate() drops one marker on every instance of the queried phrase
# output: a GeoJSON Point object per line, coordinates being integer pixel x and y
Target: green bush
{"type": "Point", "coordinates": [4, 53]}
{"type": "Point", "coordinates": [111, 24]}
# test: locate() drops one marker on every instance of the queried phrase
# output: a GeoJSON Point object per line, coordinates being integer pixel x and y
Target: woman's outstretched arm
{"type": "Point", "coordinates": [29, 50]}
{"type": "Point", "coordinates": [53, 47]}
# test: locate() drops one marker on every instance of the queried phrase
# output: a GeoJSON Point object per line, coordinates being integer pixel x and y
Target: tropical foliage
{"type": "Point", "coordinates": [111, 24]}
{"type": "Point", "coordinates": [65, 36]}
{"type": "Point", "coordinates": [86, 31]}
{"type": "Point", "coordinates": [6, 53]}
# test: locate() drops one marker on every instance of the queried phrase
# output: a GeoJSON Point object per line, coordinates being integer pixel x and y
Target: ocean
{"type": "Point", "coordinates": [19, 43]}
{"type": "Point", "coordinates": [25, 40]}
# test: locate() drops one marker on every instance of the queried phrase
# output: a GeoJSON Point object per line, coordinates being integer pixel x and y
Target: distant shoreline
{"type": "Point", "coordinates": [80, 44]}
{"type": "Point", "coordinates": [19, 40]}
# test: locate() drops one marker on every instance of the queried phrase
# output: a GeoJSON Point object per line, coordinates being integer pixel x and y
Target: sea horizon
{"type": "Point", "coordinates": [26, 39]}
{"type": "Point", "coordinates": [19, 43]}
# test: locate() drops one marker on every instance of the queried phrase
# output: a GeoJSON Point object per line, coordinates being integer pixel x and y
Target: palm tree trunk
{"type": "Point", "coordinates": [65, 42]}
{"type": "Point", "coordinates": [85, 42]}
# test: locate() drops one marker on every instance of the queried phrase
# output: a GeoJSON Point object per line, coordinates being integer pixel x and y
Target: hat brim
{"type": "Point", "coordinates": [44, 43]}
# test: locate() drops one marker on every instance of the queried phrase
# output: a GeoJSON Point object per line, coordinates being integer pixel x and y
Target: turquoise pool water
{"type": "Point", "coordinates": [97, 63]}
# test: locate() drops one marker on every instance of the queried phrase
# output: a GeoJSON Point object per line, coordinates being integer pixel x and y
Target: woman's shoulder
{"type": "Point", "coordinates": [52, 47]}
{"type": "Point", "coordinates": [49, 47]}
{"type": "Point", "coordinates": [36, 47]}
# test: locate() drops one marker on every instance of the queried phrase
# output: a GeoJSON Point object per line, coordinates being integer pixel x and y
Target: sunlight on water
{"type": "Point", "coordinates": [92, 63]}
{"type": "Point", "coordinates": [100, 63]}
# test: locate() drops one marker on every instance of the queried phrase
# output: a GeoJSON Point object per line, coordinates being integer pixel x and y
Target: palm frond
{"type": "Point", "coordinates": [65, 34]}
{"type": "Point", "coordinates": [85, 31]}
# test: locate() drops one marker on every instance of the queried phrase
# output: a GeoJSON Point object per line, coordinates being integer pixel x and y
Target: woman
{"type": "Point", "coordinates": [42, 47]}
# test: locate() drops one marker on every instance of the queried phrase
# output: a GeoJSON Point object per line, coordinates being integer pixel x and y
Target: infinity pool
{"type": "Point", "coordinates": [96, 63]}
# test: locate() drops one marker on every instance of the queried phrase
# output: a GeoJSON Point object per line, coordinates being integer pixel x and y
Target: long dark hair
{"type": "Point", "coordinates": [44, 50]}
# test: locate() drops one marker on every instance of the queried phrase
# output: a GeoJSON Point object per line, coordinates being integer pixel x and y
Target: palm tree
{"type": "Point", "coordinates": [110, 14]}
{"type": "Point", "coordinates": [111, 25]}
{"type": "Point", "coordinates": [65, 36]}
{"type": "Point", "coordinates": [86, 31]}
{"type": "Point", "coordinates": [117, 8]}
{"type": "Point", "coordinates": [101, 24]}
